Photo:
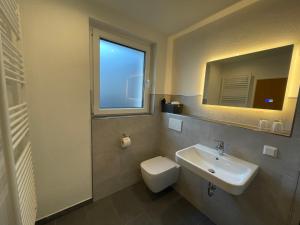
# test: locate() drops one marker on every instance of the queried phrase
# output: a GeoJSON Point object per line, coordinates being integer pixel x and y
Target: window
{"type": "Point", "coordinates": [121, 75]}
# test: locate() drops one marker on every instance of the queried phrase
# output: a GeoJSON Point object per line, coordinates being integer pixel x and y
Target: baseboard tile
{"type": "Point", "coordinates": [63, 212]}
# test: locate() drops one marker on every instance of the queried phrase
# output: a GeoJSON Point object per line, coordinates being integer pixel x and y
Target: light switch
{"type": "Point", "coordinates": [270, 151]}
{"type": "Point", "coordinates": [175, 124]}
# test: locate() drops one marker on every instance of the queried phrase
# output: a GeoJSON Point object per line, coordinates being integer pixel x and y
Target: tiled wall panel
{"type": "Point", "coordinates": [269, 198]}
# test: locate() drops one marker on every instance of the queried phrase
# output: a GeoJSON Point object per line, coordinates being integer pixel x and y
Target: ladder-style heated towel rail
{"type": "Point", "coordinates": [14, 116]}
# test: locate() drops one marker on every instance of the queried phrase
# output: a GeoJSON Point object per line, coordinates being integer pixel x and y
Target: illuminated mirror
{"type": "Point", "coordinates": [255, 80]}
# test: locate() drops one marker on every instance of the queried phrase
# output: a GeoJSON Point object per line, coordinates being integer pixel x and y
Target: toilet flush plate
{"type": "Point", "coordinates": [175, 124]}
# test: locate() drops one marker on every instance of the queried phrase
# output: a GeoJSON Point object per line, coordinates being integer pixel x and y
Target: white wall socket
{"type": "Point", "coordinates": [175, 124]}
{"type": "Point", "coordinates": [270, 151]}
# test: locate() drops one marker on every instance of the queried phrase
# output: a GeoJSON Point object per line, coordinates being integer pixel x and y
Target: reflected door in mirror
{"type": "Point", "coordinates": [269, 93]}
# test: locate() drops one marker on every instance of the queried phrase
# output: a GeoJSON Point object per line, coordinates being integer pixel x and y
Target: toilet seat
{"type": "Point", "coordinates": [159, 173]}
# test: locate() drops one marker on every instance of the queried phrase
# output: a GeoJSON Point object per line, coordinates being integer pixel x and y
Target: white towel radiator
{"type": "Point", "coordinates": [14, 116]}
{"type": "Point", "coordinates": [235, 90]}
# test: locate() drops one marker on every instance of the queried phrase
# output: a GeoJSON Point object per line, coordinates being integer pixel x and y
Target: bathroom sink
{"type": "Point", "coordinates": [229, 173]}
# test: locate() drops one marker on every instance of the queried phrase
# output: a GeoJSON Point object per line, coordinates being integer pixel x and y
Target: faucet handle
{"type": "Point", "coordinates": [220, 143]}
{"type": "Point", "coordinates": [220, 147]}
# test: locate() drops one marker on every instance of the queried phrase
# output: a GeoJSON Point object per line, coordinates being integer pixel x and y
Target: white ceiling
{"type": "Point", "coordinates": [167, 16]}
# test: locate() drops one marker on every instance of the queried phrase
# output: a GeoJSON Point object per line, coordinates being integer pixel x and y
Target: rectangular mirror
{"type": "Point", "coordinates": [255, 80]}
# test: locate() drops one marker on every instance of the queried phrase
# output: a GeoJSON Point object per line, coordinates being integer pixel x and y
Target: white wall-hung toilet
{"type": "Point", "coordinates": [159, 173]}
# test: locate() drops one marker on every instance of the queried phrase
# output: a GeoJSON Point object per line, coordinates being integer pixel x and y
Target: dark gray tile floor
{"type": "Point", "coordinates": [136, 205]}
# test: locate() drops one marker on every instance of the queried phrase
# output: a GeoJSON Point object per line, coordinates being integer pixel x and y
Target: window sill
{"type": "Point", "coordinates": [96, 117]}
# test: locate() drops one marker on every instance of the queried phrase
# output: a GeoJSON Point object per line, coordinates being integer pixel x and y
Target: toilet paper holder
{"type": "Point", "coordinates": [125, 135]}
{"type": "Point", "coordinates": [125, 141]}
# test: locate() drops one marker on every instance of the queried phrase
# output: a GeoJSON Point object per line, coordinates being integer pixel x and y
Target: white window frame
{"type": "Point", "coordinates": [131, 43]}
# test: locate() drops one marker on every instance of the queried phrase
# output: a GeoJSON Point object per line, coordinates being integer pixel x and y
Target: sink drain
{"type": "Point", "coordinates": [211, 171]}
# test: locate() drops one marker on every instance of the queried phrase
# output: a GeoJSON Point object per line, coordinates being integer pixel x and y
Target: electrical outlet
{"type": "Point", "coordinates": [270, 151]}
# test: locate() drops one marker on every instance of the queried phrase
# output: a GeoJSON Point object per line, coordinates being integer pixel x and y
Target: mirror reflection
{"type": "Point", "coordinates": [255, 80]}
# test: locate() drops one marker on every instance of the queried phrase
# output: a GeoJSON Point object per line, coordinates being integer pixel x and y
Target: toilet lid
{"type": "Point", "coordinates": [158, 165]}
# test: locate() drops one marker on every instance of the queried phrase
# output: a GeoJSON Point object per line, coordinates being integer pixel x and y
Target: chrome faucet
{"type": "Point", "coordinates": [220, 147]}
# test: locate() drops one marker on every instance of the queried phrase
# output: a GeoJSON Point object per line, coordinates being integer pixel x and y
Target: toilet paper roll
{"type": "Point", "coordinates": [125, 142]}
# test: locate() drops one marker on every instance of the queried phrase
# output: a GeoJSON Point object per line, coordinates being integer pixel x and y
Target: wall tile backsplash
{"type": "Point", "coordinates": [268, 199]}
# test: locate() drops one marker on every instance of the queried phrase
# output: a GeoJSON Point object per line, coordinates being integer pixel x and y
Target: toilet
{"type": "Point", "coordinates": [159, 173]}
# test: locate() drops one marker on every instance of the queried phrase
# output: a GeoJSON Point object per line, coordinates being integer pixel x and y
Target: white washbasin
{"type": "Point", "coordinates": [225, 171]}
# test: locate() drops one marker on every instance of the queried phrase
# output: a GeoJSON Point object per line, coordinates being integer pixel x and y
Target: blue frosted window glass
{"type": "Point", "coordinates": [121, 76]}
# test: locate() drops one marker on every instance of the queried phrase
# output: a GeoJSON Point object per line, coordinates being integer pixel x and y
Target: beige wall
{"type": "Point", "coordinates": [263, 25]}
{"type": "Point", "coordinates": [56, 47]}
